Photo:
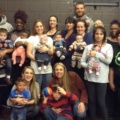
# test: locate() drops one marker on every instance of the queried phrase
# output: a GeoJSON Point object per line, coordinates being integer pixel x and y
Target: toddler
{"type": "Point", "coordinates": [77, 47]}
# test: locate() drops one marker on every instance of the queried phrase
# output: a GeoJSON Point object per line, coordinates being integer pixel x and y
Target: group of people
{"type": "Point", "coordinates": [77, 63]}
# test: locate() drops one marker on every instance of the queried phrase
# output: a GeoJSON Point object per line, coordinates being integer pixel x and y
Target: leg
{"type": "Point", "coordinates": [22, 60]}
{"type": "Point", "coordinates": [79, 62]}
{"type": "Point", "coordinates": [101, 94]}
{"type": "Point", "coordinates": [92, 99]}
{"type": "Point", "coordinates": [73, 60]}
{"type": "Point", "coordinates": [32, 111]}
{"type": "Point", "coordinates": [39, 78]}
{"type": "Point", "coordinates": [13, 115]}
{"type": "Point", "coordinates": [76, 113]}
{"type": "Point", "coordinates": [21, 113]}
{"type": "Point", "coordinates": [46, 78]}
{"type": "Point", "coordinates": [14, 57]}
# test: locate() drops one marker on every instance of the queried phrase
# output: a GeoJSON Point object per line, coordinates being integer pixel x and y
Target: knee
{"type": "Point", "coordinates": [46, 111]}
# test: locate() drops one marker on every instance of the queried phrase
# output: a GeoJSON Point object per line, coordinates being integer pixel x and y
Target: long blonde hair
{"type": "Point", "coordinates": [32, 86]}
{"type": "Point", "coordinates": [33, 28]}
{"type": "Point", "coordinates": [66, 82]}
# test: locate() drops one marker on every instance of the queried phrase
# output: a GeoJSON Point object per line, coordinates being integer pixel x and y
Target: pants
{"type": "Point", "coordinates": [49, 114]}
{"type": "Point", "coordinates": [97, 91]}
{"type": "Point", "coordinates": [43, 79]}
{"type": "Point", "coordinates": [18, 113]}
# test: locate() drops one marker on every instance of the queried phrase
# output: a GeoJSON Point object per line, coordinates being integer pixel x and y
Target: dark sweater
{"type": "Point", "coordinates": [77, 86]}
{"type": "Point", "coordinates": [64, 103]}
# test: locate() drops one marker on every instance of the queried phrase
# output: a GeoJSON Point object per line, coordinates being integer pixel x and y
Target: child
{"type": "Point", "coordinates": [58, 105]}
{"type": "Point", "coordinates": [98, 23]}
{"type": "Point", "coordinates": [16, 96]}
{"type": "Point", "coordinates": [78, 47]}
{"type": "Point", "coordinates": [42, 58]}
{"type": "Point", "coordinates": [19, 48]}
{"type": "Point", "coordinates": [60, 46]}
{"type": "Point", "coordinates": [6, 44]}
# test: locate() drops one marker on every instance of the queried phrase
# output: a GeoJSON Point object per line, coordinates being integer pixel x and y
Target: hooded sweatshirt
{"type": "Point", "coordinates": [5, 24]}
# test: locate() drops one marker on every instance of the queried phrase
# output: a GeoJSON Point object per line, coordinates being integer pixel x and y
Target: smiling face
{"type": "Point", "coordinates": [80, 28]}
{"type": "Point", "coordinates": [19, 24]}
{"type": "Point", "coordinates": [80, 10]}
{"type": "Point", "coordinates": [20, 86]}
{"type": "Point", "coordinates": [59, 71]}
{"type": "Point", "coordinates": [39, 28]}
{"type": "Point", "coordinates": [53, 22]}
{"type": "Point", "coordinates": [28, 74]}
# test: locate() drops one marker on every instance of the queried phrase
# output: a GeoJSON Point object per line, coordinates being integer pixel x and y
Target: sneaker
{"type": "Point", "coordinates": [58, 53]}
{"type": "Point", "coordinates": [62, 57]}
{"type": "Point", "coordinates": [8, 81]}
{"type": "Point", "coordinates": [44, 67]}
{"type": "Point", "coordinates": [39, 68]}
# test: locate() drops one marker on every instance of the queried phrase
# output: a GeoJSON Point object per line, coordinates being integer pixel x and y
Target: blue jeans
{"type": "Point", "coordinates": [18, 113]}
{"type": "Point", "coordinates": [76, 113]}
{"type": "Point", "coordinates": [43, 79]}
{"type": "Point", "coordinates": [49, 114]}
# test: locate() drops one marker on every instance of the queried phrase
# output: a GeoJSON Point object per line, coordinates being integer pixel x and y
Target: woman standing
{"type": "Point", "coordinates": [42, 75]}
{"type": "Point", "coordinates": [69, 37]}
{"type": "Point", "coordinates": [97, 84]}
{"type": "Point", "coordinates": [29, 76]}
{"type": "Point", "coordinates": [81, 29]}
{"type": "Point", "coordinates": [71, 82]}
{"type": "Point", "coordinates": [53, 26]}
{"type": "Point", "coordinates": [20, 19]}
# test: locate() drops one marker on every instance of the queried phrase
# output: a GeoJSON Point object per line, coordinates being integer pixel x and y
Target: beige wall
{"type": "Point", "coordinates": [62, 8]}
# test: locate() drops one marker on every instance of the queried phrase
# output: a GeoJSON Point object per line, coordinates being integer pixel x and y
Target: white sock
{"type": "Point", "coordinates": [58, 53]}
{"type": "Point", "coordinates": [62, 57]}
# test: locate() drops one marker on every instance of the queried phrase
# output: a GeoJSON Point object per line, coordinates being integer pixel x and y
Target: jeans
{"type": "Point", "coordinates": [97, 91]}
{"type": "Point", "coordinates": [49, 114]}
{"type": "Point", "coordinates": [43, 79]}
{"type": "Point", "coordinates": [18, 113]}
{"type": "Point", "coordinates": [76, 113]}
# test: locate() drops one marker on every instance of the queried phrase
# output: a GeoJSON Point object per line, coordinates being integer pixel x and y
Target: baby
{"type": "Point", "coordinates": [19, 48]}
{"type": "Point", "coordinates": [60, 46]}
{"type": "Point", "coordinates": [42, 58]}
{"type": "Point", "coordinates": [94, 60]}
{"type": "Point", "coordinates": [77, 46]}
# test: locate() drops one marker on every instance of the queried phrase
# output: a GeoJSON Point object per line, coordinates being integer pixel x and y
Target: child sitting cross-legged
{"type": "Point", "coordinates": [58, 105]}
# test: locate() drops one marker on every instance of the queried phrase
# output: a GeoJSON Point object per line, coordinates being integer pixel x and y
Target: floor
{"type": "Point", "coordinates": [6, 115]}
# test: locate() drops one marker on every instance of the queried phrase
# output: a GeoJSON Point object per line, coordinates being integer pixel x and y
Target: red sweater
{"type": "Point", "coordinates": [77, 86]}
{"type": "Point", "coordinates": [64, 103]}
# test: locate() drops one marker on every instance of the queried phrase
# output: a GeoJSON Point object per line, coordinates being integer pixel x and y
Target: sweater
{"type": "Point", "coordinates": [77, 86]}
{"type": "Point", "coordinates": [104, 63]}
{"type": "Point", "coordinates": [64, 103]}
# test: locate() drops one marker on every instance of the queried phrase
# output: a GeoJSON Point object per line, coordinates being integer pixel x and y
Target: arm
{"type": "Point", "coordinates": [5, 51]}
{"type": "Point", "coordinates": [111, 79]}
{"type": "Point", "coordinates": [30, 51]}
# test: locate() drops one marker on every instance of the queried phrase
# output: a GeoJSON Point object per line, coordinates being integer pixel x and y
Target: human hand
{"type": "Point", "coordinates": [5, 45]}
{"type": "Point", "coordinates": [2, 53]}
{"type": "Point", "coordinates": [92, 53]}
{"type": "Point", "coordinates": [112, 86]}
{"type": "Point", "coordinates": [81, 107]}
{"type": "Point", "coordinates": [2, 62]}
{"type": "Point", "coordinates": [57, 110]}
{"type": "Point", "coordinates": [61, 90]}
{"type": "Point", "coordinates": [42, 49]}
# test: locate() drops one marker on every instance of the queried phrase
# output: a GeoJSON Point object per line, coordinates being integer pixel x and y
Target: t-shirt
{"type": "Point", "coordinates": [24, 94]}
{"type": "Point", "coordinates": [35, 40]}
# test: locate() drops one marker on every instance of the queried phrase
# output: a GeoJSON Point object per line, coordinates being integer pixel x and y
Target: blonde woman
{"type": "Point", "coordinates": [29, 76]}
{"type": "Point", "coordinates": [42, 75]}
{"type": "Point", "coordinates": [71, 82]}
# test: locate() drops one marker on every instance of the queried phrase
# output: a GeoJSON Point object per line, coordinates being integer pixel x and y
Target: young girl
{"type": "Point", "coordinates": [96, 86]}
